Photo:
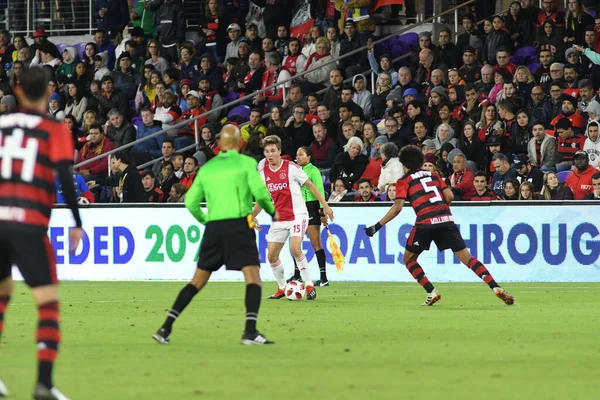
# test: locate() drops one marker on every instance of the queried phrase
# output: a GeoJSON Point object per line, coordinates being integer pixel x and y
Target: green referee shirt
{"type": "Point", "coordinates": [314, 174]}
{"type": "Point", "coordinates": [228, 183]}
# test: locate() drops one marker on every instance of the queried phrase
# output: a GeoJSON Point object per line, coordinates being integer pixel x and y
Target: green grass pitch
{"type": "Point", "coordinates": [356, 341]}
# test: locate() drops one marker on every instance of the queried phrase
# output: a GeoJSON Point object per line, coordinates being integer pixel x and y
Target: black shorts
{"type": "Point", "coordinates": [445, 236]}
{"type": "Point", "coordinates": [32, 253]}
{"type": "Point", "coordinates": [314, 218]}
{"type": "Point", "coordinates": [230, 242]}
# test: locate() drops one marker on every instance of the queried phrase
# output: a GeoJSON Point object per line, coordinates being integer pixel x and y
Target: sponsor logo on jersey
{"type": "Point", "coordinates": [282, 175]}
{"type": "Point", "coordinates": [275, 187]}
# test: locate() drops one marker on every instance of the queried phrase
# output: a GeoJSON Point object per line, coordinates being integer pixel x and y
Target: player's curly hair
{"type": "Point", "coordinates": [411, 157]}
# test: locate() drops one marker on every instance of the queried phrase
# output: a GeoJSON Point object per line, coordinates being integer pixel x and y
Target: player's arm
{"type": "Point", "coordinates": [193, 197]}
{"type": "Point", "coordinates": [448, 195]}
{"type": "Point", "coordinates": [65, 176]}
{"type": "Point", "coordinates": [260, 194]}
{"type": "Point", "coordinates": [390, 215]}
{"type": "Point", "coordinates": [313, 189]}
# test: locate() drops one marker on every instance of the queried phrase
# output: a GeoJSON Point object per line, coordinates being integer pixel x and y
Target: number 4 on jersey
{"type": "Point", "coordinates": [433, 188]}
{"type": "Point", "coordinates": [11, 148]}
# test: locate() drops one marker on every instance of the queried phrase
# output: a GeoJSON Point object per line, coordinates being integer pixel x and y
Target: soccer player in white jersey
{"type": "Point", "coordinates": [284, 180]}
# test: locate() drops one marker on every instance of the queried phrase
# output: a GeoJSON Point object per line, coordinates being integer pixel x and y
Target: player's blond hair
{"type": "Point", "coordinates": [272, 139]}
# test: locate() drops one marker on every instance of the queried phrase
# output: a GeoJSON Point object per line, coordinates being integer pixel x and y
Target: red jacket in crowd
{"type": "Point", "coordinates": [581, 182]}
{"type": "Point", "coordinates": [463, 182]}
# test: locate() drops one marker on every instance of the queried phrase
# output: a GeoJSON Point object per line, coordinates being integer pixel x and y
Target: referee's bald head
{"type": "Point", "coordinates": [230, 137]}
{"type": "Point", "coordinates": [33, 84]}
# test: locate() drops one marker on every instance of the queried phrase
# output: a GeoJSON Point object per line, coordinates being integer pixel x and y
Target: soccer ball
{"type": "Point", "coordinates": [295, 290]}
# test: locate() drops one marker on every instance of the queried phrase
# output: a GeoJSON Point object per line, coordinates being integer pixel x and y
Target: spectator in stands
{"type": "Point", "coordinates": [358, 121]}
{"type": "Point", "coordinates": [550, 38]}
{"type": "Point", "coordinates": [391, 167]}
{"type": "Point", "coordinates": [511, 190]}
{"type": "Point", "coordinates": [486, 83]}
{"type": "Point", "coordinates": [276, 117]}
{"type": "Point", "coordinates": [298, 130]}
{"type": "Point", "coordinates": [504, 172]}
{"type": "Point", "coordinates": [322, 57]}
{"type": "Point", "coordinates": [536, 106]}
{"type": "Point", "coordinates": [167, 151]}
{"type": "Point", "coordinates": [489, 123]}
{"type": "Point", "coordinates": [469, 34]}
{"type": "Point", "coordinates": [350, 164]}
{"type": "Point", "coordinates": [523, 82]}
{"type": "Point", "coordinates": [97, 145]}
{"type": "Point", "coordinates": [526, 191]}
{"type": "Point", "coordinates": [252, 81]}
{"type": "Point", "coordinates": [506, 112]}
{"type": "Point", "coordinates": [104, 45]}
{"type": "Point", "coordinates": [461, 180]}
{"type": "Point", "coordinates": [254, 41]}
{"type": "Point", "coordinates": [76, 102]}
{"type": "Point", "coordinates": [67, 67]}
{"type": "Point", "coordinates": [416, 112]}
{"type": "Point", "coordinates": [553, 189]}
{"type": "Point", "coordinates": [254, 125]}
{"type": "Point", "coordinates": [6, 48]}
{"type": "Point", "coordinates": [339, 192]}
{"type": "Point", "coordinates": [481, 191]}
{"type": "Point", "coordinates": [189, 66]}
{"type": "Point", "coordinates": [129, 185]}
{"type": "Point", "coordinates": [542, 74]}
{"type": "Point", "coordinates": [294, 61]}
{"type": "Point", "coordinates": [470, 71]}
{"type": "Point", "coordinates": [235, 34]}
{"type": "Point", "coordinates": [212, 25]}
{"type": "Point", "coordinates": [443, 135]}
{"type": "Point", "coordinates": [190, 169]}
{"type": "Point", "coordinates": [369, 135]}
{"type": "Point", "coordinates": [125, 77]}
{"type": "Point", "coordinates": [542, 150]}
{"type": "Point", "coordinates": [496, 41]}
{"type": "Point", "coordinates": [153, 146]}
{"type": "Point", "coordinates": [168, 113]}
{"type": "Point", "coordinates": [390, 193]}
{"type": "Point", "coordinates": [294, 98]}
{"type": "Point", "coordinates": [7, 104]}
{"type": "Point", "coordinates": [528, 172]}
{"type": "Point", "coordinates": [580, 179]}
{"type": "Point", "coordinates": [424, 43]}
{"type": "Point", "coordinates": [112, 16]}
{"type": "Point", "coordinates": [165, 178]}
{"type": "Point", "coordinates": [153, 56]}
{"type": "Point", "coordinates": [210, 70]}
{"type": "Point", "coordinates": [89, 118]}
{"type": "Point", "coordinates": [519, 26]}
{"type": "Point", "coordinates": [530, 10]}
{"type": "Point", "coordinates": [571, 78]}
{"type": "Point", "coordinates": [586, 94]}
{"type": "Point", "coordinates": [118, 130]}
{"type": "Point", "coordinates": [384, 64]}
{"type": "Point", "coordinates": [272, 75]}
{"type": "Point", "coordinates": [577, 19]}
{"type": "Point", "coordinates": [153, 193]}
{"type": "Point", "coordinates": [254, 146]}
{"type": "Point", "coordinates": [55, 109]}
{"type": "Point", "coordinates": [177, 193]}
{"type": "Point", "coordinates": [268, 46]}
{"type": "Point", "coordinates": [569, 107]}
{"type": "Point", "coordinates": [361, 95]}
{"type": "Point", "coordinates": [169, 16]}
{"type": "Point", "coordinates": [39, 38]}
{"type": "Point", "coordinates": [47, 54]}
{"type": "Point", "coordinates": [379, 99]}
{"type": "Point", "coordinates": [323, 148]}
{"type": "Point", "coordinates": [333, 95]}
{"type": "Point", "coordinates": [345, 118]}
{"type": "Point", "coordinates": [595, 195]}
{"type": "Point", "coordinates": [111, 98]}
{"type": "Point", "coordinates": [186, 134]}
{"type": "Point", "coordinates": [592, 144]}
{"type": "Point", "coordinates": [553, 106]}
{"type": "Point", "coordinates": [365, 192]}
{"type": "Point", "coordinates": [447, 52]}
{"type": "Point", "coordinates": [520, 133]}
{"type": "Point", "coordinates": [420, 131]}
{"type": "Point", "coordinates": [207, 145]}
{"type": "Point", "coordinates": [328, 121]}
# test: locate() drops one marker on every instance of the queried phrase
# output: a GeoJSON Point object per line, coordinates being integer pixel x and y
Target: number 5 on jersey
{"type": "Point", "coordinates": [433, 188]}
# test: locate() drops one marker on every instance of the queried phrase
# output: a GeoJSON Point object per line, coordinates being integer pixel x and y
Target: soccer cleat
{"type": "Point", "coordinates": [3, 389]}
{"type": "Point", "coordinates": [277, 295]}
{"type": "Point", "coordinates": [311, 293]}
{"type": "Point", "coordinates": [504, 296]}
{"type": "Point", "coordinates": [321, 283]}
{"type": "Point", "coordinates": [43, 393]}
{"type": "Point", "coordinates": [256, 338]}
{"type": "Point", "coordinates": [432, 298]}
{"type": "Point", "coordinates": [293, 278]}
{"type": "Point", "coordinates": [162, 336]}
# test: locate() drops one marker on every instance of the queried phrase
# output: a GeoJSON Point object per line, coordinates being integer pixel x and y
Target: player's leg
{"type": "Point", "coordinates": [482, 272]}
{"type": "Point", "coordinates": [314, 234]}
{"type": "Point", "coordinates": [184, 298]}
{"type": "Point", "coordinates": [6, 289]}
{"type": "Point", "coordinates": [296, 276]}
{"type": "Point", "coordinates": [296, 238]}
{"type": "Point", "coordinates": [415, 269]}
{"type": "Point", "coordinates": [273, 252]}
{"type": "Point", "coordinates": [251, 335]}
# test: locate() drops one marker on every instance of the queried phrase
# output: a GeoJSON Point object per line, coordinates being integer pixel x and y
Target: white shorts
{"type": "Point", "coordinates": [281, 230]}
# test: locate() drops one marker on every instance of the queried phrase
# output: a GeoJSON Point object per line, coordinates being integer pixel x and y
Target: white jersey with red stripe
{"type": "Point", "coordinates": [285, 185]}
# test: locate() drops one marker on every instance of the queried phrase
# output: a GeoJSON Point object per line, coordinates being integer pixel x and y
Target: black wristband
{"type": "Point", "coordinates": [378, 226]}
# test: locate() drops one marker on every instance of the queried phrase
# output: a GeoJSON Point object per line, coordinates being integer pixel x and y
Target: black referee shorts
{"type": "Point", "coordinates": [230, 242]}
{"type": "Point", "coordinates": [32, 253]}
{"type": "Point", "coordinates": [445, 236]}
{"type": "Point", "coordinates": [314, 218]}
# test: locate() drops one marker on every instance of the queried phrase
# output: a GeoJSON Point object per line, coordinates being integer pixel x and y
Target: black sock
{"type": "Point", "coordinates": [183, 299]}
{"type": "Point", "coordinates": [320, 254]}
{"type": "Point", "coordinates": [253, 293]}
{"type": "Point", "coordinates": [296, 270]}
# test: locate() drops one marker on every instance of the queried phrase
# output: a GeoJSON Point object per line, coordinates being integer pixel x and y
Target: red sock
{"type": "Point", "coordinates": [3, 305]}
{"type": "Point", "coordinates": [47, 338]}
{"type": "Point", "coordinates": [417, 272]}
{"type": "Point", "coordinates": [482, 272]}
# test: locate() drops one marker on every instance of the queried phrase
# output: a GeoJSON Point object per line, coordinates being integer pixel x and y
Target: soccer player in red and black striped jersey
{"type": "Point", "coordinates": [430, 197]}
{"type": "Point", "coordinates": [33, 148]}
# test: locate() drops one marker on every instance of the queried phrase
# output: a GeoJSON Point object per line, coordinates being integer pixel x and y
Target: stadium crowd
{"type": "Point", "coordinates": [509, 110]}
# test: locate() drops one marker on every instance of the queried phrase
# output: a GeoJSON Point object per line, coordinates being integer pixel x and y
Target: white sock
{"type": "Point", "coordinates": [277, 269]}
{"type": "Point", "coordinates": [304, 272]}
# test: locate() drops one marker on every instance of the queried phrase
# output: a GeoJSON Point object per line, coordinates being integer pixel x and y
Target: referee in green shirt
{"type": "Point", "coordinates": [228, 183]}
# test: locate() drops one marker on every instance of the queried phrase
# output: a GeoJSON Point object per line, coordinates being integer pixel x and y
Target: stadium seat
{"type": "Point", "coordinates": [524, 55]}
{"type": "Point", "coordinates": [61, 47]}
{"type": "Point", "coordinates": [382, 196]}
{"type": "Point", "coordinates": [240, 111]}
{"type": "Point", "coordinates": [533, 67]}
{"type": "Point", "coordinates": [137, 121]}
{"type": "Point", "coordinates": [231, 96]}
{"type": "Point", "coordinates": [562, 176]}
{"type": "Point", "coordinates": [399, 48]}
{"type": "Point", "coordinates": [410, 38]}
{"type": "Point", "coordinates": [80, 49]}
{"type": "Point", "coordinates": [381, 49]}
{"type": "Point", "coordinates": [592, 12]}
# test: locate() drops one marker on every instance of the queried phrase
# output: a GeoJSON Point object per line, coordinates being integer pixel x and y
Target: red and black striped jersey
{"type": "Point", "coordinates": [31, 145]}
{"type": "Point", "coordinates": [423, 189]}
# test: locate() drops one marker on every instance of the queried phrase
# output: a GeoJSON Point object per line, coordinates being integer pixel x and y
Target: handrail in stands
{"type": "Point", "coordinates": [237, 101]}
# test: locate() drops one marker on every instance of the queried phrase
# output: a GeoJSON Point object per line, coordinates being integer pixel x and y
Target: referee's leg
{"type": "Point", "coordinates": [251, 336]}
